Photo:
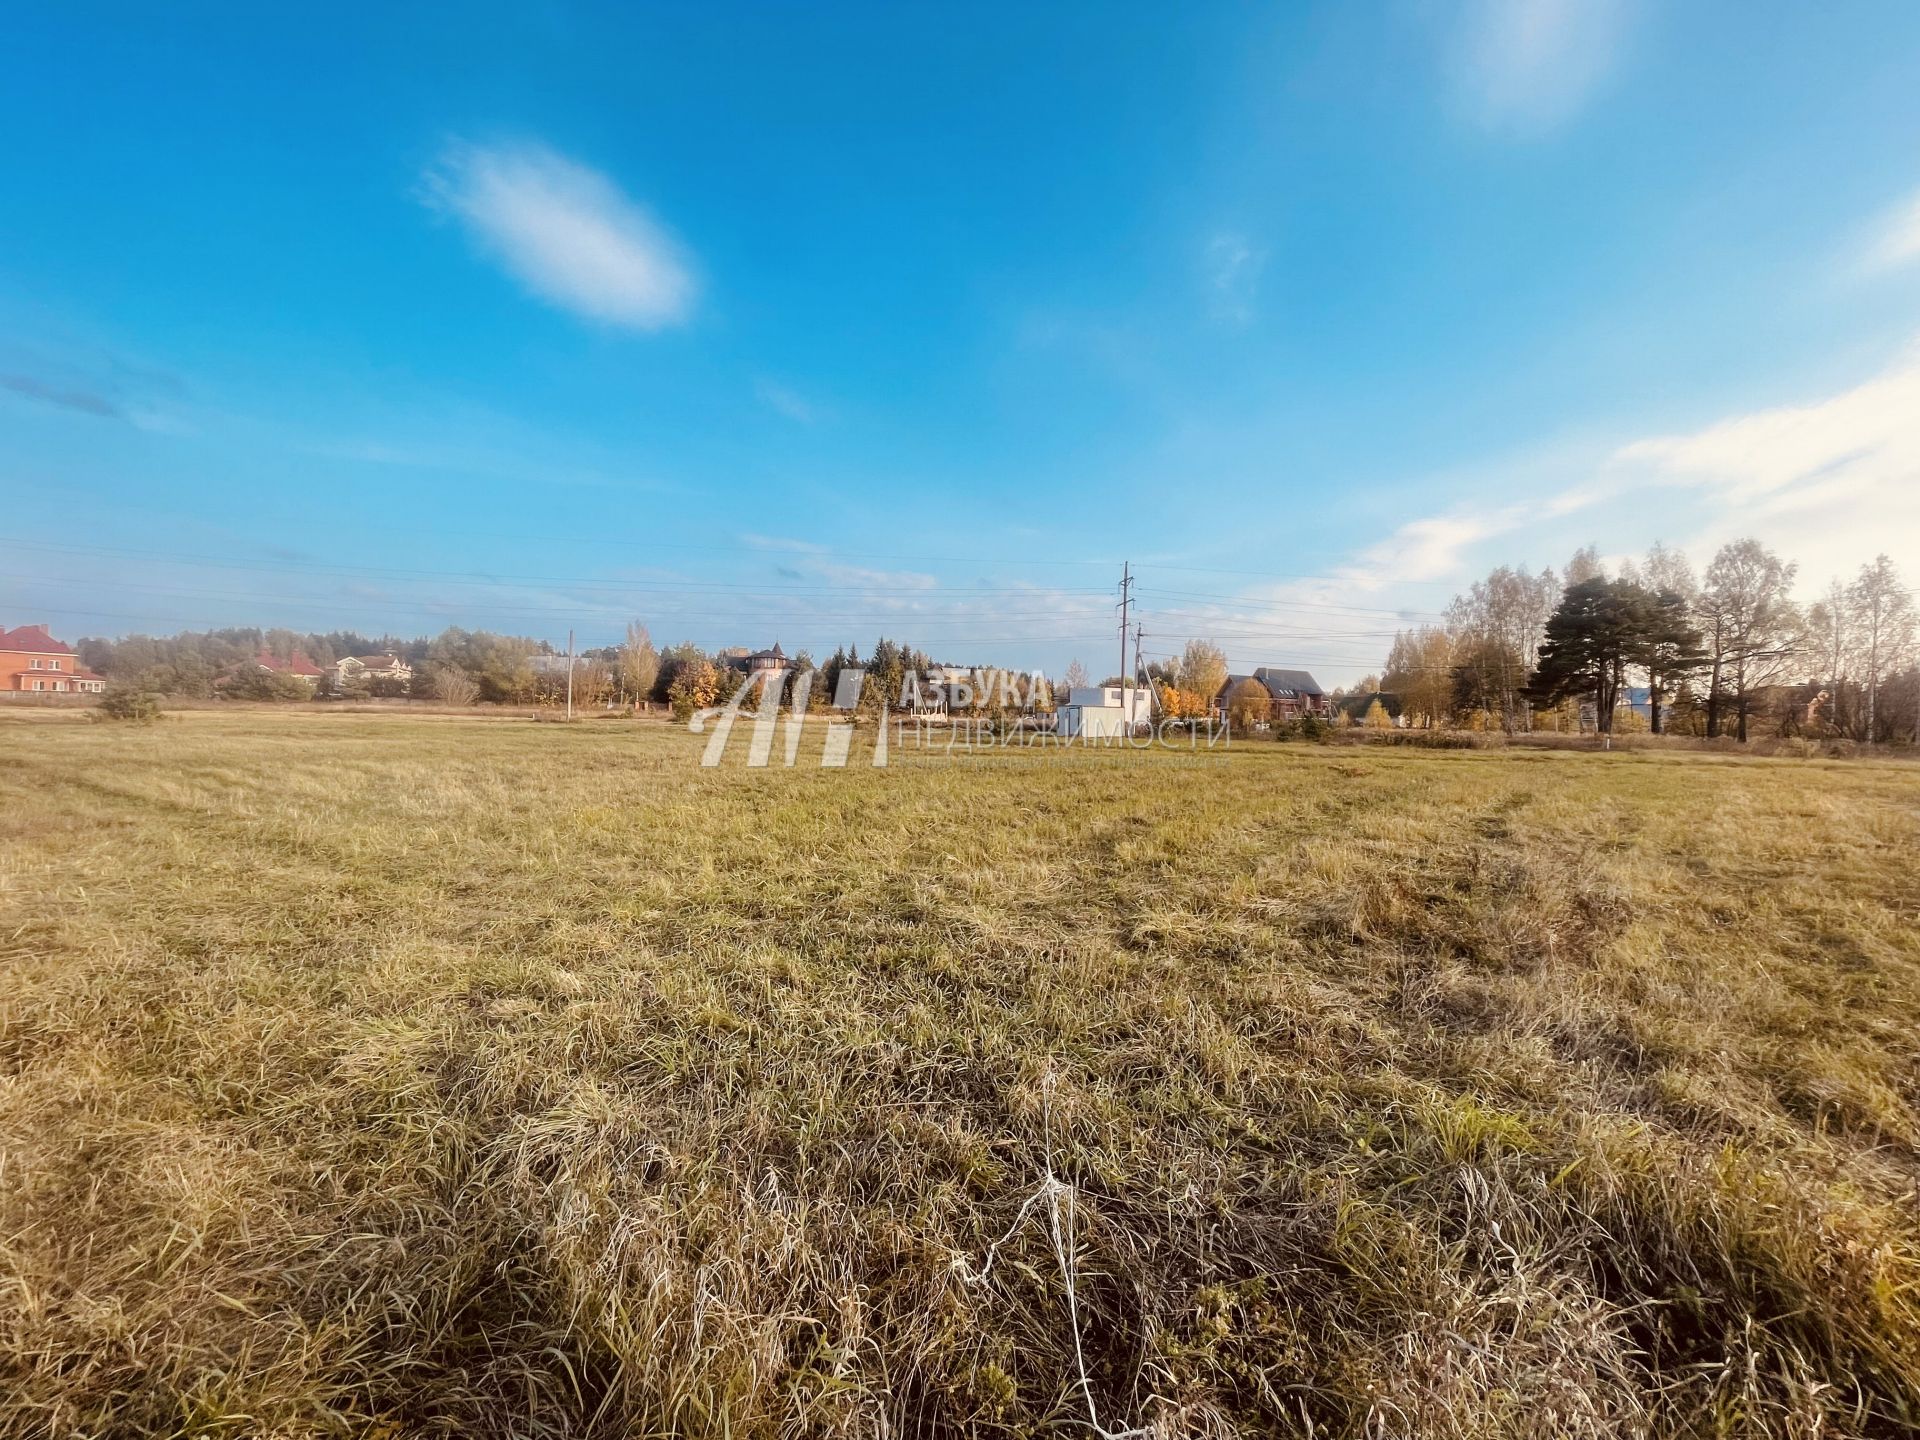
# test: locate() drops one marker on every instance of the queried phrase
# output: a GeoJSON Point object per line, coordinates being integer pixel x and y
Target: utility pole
{"type": "Point", "coordinates": [569, 675]}
{"type": "Point", "coordinates": [1126, 596]}
{"type": "Point", "coordinates": [1139, 638]}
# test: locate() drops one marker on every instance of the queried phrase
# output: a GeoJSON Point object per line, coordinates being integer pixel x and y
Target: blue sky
{"type": "Point", "coordinates": [814, 322]}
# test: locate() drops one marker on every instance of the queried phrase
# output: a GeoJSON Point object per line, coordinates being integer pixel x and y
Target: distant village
{"type": "Point", "coordinates": [1648, 648]}
{"type": "Point", "coordinates": [463, 667]}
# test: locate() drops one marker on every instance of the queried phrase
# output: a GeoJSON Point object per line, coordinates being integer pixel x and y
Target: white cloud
{"type": "Point", "coordinates": [566, 232]}
{"type": "Point", "coordinates": [813, 561]}
{"type": "Point", "coordinates": [1897, 241]}
{"type": "Point", "coordinates": [1431, 548]}
{"type": "Point", "coordinates": [1870, 429]}
{"type": "Point", "coordinates": [1829, 483]}
{"type": "Point", "coordinates": [1233, 266]}
{"type": "Point", "coordinates": [878, 579]}
{"type": "Point", "coordinates": [1526, 66]}
{"type": "Point", "coordinates": [783, 400]}
{"type": "Point", "coordinates": [781, 542]}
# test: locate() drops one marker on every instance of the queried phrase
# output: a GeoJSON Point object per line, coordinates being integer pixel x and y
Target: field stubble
{"type": "Point", "coordinates": [373, 1075]}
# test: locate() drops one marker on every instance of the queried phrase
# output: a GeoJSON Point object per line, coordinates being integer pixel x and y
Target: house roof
{"type": "Point", "coordinates": [1287, 684]}
{"type": "Point", "coordinates": [1280, 684]}
{"type": "Point", "coordinates": [378, 662]}
{"type": "Point", "coordinates": [32, 640]}
{"type": "Point", "coordinates": [299, 665]}
{"type": "Point", "coordinates": [776, 653]}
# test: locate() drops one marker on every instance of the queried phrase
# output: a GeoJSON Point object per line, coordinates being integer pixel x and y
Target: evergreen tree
{"type": "Point", "coordinates": [1669, 649]}
{"type": "Point", "coordinates": [1599, 630]}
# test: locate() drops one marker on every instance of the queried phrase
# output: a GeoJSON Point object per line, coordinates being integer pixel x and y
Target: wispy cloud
{"type": "Point", "coordinates": [1896, 239]}
{"type": "Point", "coordinates": [783, 400]}
{"type": "Point", "coordinates": [427, 432]}
{"type": "Point", "coordinates": [1829, 482]}
{"type": "Point", "coordinates": [566, 232]}
{"type": "Point", "coordinates": [1233, 267]}
{"type": "Point", "coordinates": [812, 561]}
{"type": "Point", "coordinates": [781, 542]}
{"type": "Point", "coordinates": [87, 402]}
{"type": "Point", "coordinates": [1871, 431]}
{"type": "Point", "coordinates": [1523, 67]}
{"type": "Point", "coordinates": [1432, 547]}
{"type": "Point", "coordinates": [878, 579]}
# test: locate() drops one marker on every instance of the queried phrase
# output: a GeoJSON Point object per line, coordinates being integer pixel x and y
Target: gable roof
{"type": "Point", "coordinates": [299, 665]}
{"type": "Point", "coordinates": [1287, 684]}
{"type": "Point", "coordinates": [1280, 684]}
{"type": "Point", "coordinates": [32, 640]}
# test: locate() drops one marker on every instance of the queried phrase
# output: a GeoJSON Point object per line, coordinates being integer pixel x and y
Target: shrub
{"type": "Point", "coordinates": [136, 707]}
{"type": "Point", "coordinates": [248, 681]}
{"type": "Point", "coordinates": [696, 685]}
{"type": "Point", "coordinates": [1425, 739]}
{"type": "Point", "coordinates": [453, 686]}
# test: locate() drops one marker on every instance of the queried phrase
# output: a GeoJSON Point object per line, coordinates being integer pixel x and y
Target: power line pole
{"type": "Point", "coordinates": [1139, 670]}
{"type": "Point", "coordinates": [569, 675]}
{"type": "Point", "coordinates": [1126, 596]}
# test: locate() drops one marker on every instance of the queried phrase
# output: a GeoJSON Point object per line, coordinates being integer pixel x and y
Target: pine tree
{"type": "Point", "coordinates": [1601, 627]}
{"type": "Point", "coordinates": [1669, 650]}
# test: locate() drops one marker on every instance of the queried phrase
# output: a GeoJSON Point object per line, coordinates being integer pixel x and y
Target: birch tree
{"type": "Point", "coordinates": [1832, 634]}
{"type": "Point", "coordinates": [1883, 611]}
{"type": "Point", "coordinates": [1420, 671]}
{"type": "Point", "coordinates": [1584, 566]}
{"type": "Point", "coordinates": [1753, 631]}
{"type": "Point", "coordinates": [639, 662]}
{"type": "Point", "coordinates": [1202, 669]}
{"type": "Point", "coordinates": [1497, 627]}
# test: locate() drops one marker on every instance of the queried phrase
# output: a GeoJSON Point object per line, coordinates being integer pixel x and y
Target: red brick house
{"type": "Point", "coordinates": [1290, 694]}
{"type": "Point", "coordinates": [32, 661]}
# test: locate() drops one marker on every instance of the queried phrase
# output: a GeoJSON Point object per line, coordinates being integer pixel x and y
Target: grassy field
{"type": "Point", "coordinates": [386, 1076]}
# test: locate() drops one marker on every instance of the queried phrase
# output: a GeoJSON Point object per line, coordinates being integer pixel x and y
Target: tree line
{"type": "Point", "coordinates": [1716, 654]}
{"type": "Point", "coordinates": [464, 667]}
{"type": "Point", "coordinates": [1719, 654]}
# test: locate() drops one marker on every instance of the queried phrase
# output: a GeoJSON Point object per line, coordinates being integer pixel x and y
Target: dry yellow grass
{"type": "Point", "coordinates": [366, 1075]}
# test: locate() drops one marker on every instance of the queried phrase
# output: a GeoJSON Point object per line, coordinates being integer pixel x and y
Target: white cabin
{"type": "Point", "coordinates": [1104, 710]}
